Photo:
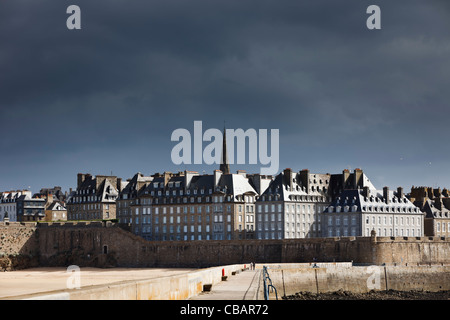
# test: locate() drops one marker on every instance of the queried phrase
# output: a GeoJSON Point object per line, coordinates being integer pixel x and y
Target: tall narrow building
{"type": "Point", "coordinates": [224, 166]}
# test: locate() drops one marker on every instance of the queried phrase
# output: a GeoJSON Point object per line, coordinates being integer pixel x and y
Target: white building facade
{"type": "Point", "coordinates": [361, 211]}
{"type": "Point", "coordinates": [8, 203]}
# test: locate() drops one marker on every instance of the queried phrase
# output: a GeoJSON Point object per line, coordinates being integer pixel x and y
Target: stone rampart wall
{"type": "Point", "coordinates": [100, 244]}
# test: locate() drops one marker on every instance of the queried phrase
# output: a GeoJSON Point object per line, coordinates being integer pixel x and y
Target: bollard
{"type": "Point", "coordinates": [224, 277]}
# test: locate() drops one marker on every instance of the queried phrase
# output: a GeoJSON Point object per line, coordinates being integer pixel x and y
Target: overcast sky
{"type": "Point", "coordinates": [107, 98]}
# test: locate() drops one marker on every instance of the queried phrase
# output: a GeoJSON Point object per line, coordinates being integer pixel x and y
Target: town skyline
{"type": "Point", "coordinates": [106, 97]}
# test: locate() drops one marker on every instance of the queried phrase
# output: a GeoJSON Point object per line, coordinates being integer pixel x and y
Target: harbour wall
{"type": "Point", "coordinates": [104, 244]}
{"type": "Point", "coordinates": [289, 279]}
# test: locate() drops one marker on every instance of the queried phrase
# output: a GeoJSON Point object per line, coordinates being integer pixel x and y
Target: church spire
{"type": "Point", "coordinates": [224, 166]}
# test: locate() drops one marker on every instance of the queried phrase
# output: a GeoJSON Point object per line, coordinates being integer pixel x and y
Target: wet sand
{"type": "Point", "coordinates": [14, 283]}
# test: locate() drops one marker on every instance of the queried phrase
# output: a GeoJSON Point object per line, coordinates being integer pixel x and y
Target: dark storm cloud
{"type": "Point", "coordinates": [140, 69]}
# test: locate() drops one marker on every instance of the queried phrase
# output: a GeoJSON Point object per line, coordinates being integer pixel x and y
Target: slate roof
{"type": "Point", "coordinates": [436, 209]}
{"type": "Point", "coordinates": [356, 201]}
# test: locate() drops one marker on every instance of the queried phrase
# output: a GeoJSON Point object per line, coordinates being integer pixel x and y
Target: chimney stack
{"type": "Point", "coordinates": [288, 177]}
{"type": "Point", "coordinates": [304, 178]}
{"type": "Point", "coordinates": [386, 195]}
{"type": "Point", "coordinates": [400, 192]}
{"type": "Point", "coordinates": [357, 178]}
{"type": "Point", "coordinates": [345, 176]}
{"type": "Point", "coordinates": [80, 179]}
{"type": "Point", "coordinates": [366, 192]}
{"type": "Point", "coordinates": [217, 175]}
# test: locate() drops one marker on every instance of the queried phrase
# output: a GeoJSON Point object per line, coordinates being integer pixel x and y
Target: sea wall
{"type": "Point", "coordinates": [104, 244]}
{"type": "Point", "coordinates": [289, 279]}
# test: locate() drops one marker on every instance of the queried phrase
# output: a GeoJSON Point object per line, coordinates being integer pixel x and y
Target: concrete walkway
{"type": "Point", "coordinates": [242, 286]}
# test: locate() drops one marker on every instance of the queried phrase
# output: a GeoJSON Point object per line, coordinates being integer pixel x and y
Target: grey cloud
{"type": "Point", "coordinates": [138, 70]}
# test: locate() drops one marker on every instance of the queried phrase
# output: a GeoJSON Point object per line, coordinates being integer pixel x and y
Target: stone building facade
{"type": "Point", "coordinates": [21, 206]}
{"type": "Point", "coordinates": [190, 206]}
{"type": "Point", "coordinates": [94, 198]}
{"type": "Point", "coordinates": [8, 204]}
{"type": "Point", "coordinates": [294, 204]}
{"type": "Point", "coordinates": [436, 206]}
{"type": "Point", "coordinates": [30, 209]}
{"type": "Point", "coordinates": [291, 206]}
{"type": "Point", "coordinates": [56, 211]}
{"type": "Point", "coordinates": [359, 212]}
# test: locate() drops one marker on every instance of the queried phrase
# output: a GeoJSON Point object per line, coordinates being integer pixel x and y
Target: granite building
{"type": "Point", "coordinates": [30, 209]}
{"type": "Point", "coordinates": [436, 206]}
{"type": "Point", "coordinates": [94, 198]}
{"type": "Point", "coordinates": [8, 204]}
{"type": "Point", "coordinates": [293, 205]}
{"type": "Point", "coordinates": [360, 212]}
{"type": "Point", "coordinates": [190, 206]}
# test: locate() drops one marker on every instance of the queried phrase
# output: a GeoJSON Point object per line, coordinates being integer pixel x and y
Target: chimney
{"type": "Point", "coordinates": [304, 178]}
{"type": "Point", "coordinates": [49, 199]}
{"type": "Point", "coordinates": [400, 192]}
{"type": "Point", "coordinates": [188, 177]}
{"type": "Point", "coordinates": [437, 192]}
{"type": "Point", "coordinates": [119, 184]}
{"type": "Point", "coordinates": [345, 176]}
{"type": "Point", "coordinates": [287, 173]}
{"type": "Point", "coordinates": [167, 176]}
{"type": "Point", "coordinates": [357, 178]}
{"type": "Point", "coordinates": [386, 195]}
{"type": "Point", "coordinates": [80, 179]}
{"type": "Point", "coordinates": [366, 192]}
{"type": "Point", "coordinates": [217, 175]}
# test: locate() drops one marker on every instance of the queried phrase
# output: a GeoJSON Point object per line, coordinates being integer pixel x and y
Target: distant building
{"type": "Point", "coordinates": [358, 212]}
{"type": "Point", "coordinates": [436, 206]}
{"type": "Point", "coordinates": [94, 198]}
{"type": "Point", "coordinates": [129, 196]}
{"type": "Point", "coordinates": [293, 205]}
{"type": "Point", "coordinates": [56, 192]}
{"type": "Point", "coordinates": [189, 206]}
{"type": "Point", "coordinates": [56, 211]}
{"type": "Point", "coordinates": [8, 203]}
{"type": "Point", "coordinates": [30, 209]}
